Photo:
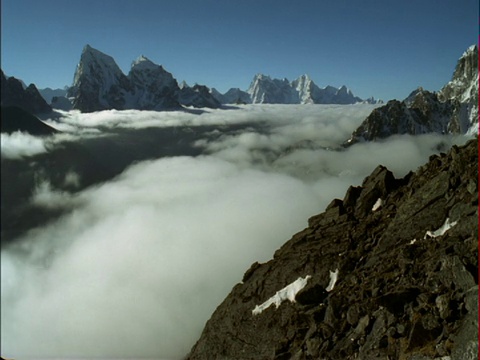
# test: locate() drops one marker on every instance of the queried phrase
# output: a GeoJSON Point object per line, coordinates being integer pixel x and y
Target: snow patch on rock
{"type": "Point", "coordinates": [287, 293]}
{"type": "Point", "coordinates": [441, 230]}
{"type": "Point", "coordinates": [333, 280]}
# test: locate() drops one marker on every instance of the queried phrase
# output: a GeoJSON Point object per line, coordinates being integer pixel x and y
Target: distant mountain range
{"type": "Point", "coordinates": [99, 84]}
{"type": "Point", "coordinates": [49, 94]}
{"type": "Point", "coordinates": [265, 90]}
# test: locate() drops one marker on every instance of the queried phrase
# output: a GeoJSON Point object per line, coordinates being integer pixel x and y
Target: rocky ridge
{"type": "Point", "coordinates": [452, 110]}
{"type": "Point", "coordinates": [232, 96]}
{"type": "Point", "coordinates": [406, 255]}
{"type": "Point", "coordinates": [198, 96]}
{"type": "Point", "coordinates": [13, 93]}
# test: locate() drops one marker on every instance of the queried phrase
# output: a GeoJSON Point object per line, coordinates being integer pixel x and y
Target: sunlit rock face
{"type": "Point", "coordinates": [454, 109]}
{"type": "Point", "coordinates": [405, 270]}
{"type": "Point", "coordinates": [463, 90]}
{"type": "Point", "coordinates": [265, 90]}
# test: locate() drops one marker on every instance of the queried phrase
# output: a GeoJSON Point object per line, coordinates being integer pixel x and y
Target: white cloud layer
{"type": "Point", "coordinates": [140, 263]}
{"type": "Point", "coordinates": [344, 116]}
{"type": "Point", "coordinates": [19, 145]}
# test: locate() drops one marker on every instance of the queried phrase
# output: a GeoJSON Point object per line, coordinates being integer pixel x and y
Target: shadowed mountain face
{"type": "Point", "coordinates": [29, 99]}
{"type": "Point", "coordinates": [14, 119]}
{"type": "Point", "coordinates": [406, 255]}
{"type": "Point", "coordinates": [48, 94]}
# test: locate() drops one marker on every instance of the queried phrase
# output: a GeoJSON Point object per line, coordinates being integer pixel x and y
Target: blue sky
{"type": "Point", "coordinates": [380, 48]}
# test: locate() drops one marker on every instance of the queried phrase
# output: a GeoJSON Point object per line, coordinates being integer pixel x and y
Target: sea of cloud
{"type": "Point", "coordinates": [18, 145]}
{"type": "Point", "coordinates": [138, 264]}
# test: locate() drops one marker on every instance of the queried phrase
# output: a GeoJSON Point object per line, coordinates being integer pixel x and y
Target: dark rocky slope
{"type": "Point", "coordinates": [403, 292]}
{"type": "Point", "coordinates": [29, 99]}
{"type": "Point", "coordinates": [14, 119]}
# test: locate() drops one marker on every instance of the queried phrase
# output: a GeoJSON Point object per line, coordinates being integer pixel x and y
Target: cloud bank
{"type": "Point", "coordinates": [143, 260]}
{"type": "Point", "coordinates": [139, 263]}
{"type": "Point", "coordinates": [19, 145]}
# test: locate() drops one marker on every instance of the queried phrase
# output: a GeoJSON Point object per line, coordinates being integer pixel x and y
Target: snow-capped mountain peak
{"type": "Point", "coordinates": [473, 49]}
{"type": "Point", "coordinates": [302, 90]}
{"type": "Point", "coordinates": [261, 77]}
{"type": "Point", "coordinates": [145, 71]}
{"type": "Point", "coordinates": [183, 84]}
{"type": "Point", "coordinates": [142, 62]}
{"type": "Point", "coordinates": [463, 87]}
{"type": "Point", "coordinates": [154, 87]}
{"type": "Point", "coordinates": [265, 90]}
{"type": "Point", "coordinates": [92, 57]}
{"type": "Point", "coordinates": [99, 84]}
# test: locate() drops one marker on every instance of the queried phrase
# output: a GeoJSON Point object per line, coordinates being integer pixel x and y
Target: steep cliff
{"type": "Point", "coordinates": [389, 272]}
{"type": "Point", "coordinates": [99, 84]}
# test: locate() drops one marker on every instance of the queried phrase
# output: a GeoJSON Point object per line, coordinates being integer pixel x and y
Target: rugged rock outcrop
{"type": "Point", "coordinates": [404, 254]}
{"type": "Point", "coordinates": [454, 109]}
{"type": "Point", "coordinates": [29, 99]}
